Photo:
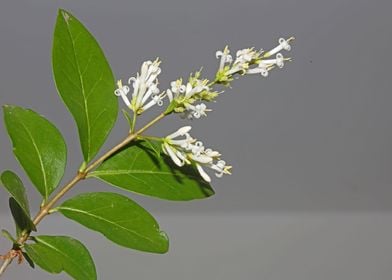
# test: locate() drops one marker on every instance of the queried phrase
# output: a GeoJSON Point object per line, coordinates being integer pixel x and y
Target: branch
{"type": "Point", "coordinates": [44, 211]}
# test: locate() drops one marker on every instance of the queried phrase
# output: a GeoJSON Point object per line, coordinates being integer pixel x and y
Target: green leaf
{"type": "Point", "coordinates": [62, 253]}
{"type": "Point", "coordinates": [39, 147]}
{"type": "Point", "coordinates": [23, 221]}
{"type": "Point", "coordinates": [28, 260]}
{"type": "Point", "coordinates": [14, 186]}
{"type": "Point", "coordinates": [119, 219]}
{"type": "Point", "coordinates": [138, 169]}
{"type": "Point", "coordinates": [8, 235]}
{"type": "Point", "coordinates": [84, 81]}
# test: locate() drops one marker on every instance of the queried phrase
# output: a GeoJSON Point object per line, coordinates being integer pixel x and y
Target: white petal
{"type": "Point", "coordinates": [180, 132]}
{"type": "Point", "coordinates": [170, 95]}
{"type": "Point", "coordinates": [203, 174]}
{"type": "Point", "coordinates": [173, 155]}
{"type": "Point", "coordinates": [201, 158]}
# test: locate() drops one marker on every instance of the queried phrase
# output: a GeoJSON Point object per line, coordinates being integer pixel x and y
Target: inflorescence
{"type": "Point", "coordinates": [187, 98]}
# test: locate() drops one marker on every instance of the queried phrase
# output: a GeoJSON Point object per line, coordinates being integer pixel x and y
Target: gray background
{"type": "Point", "coordinates": [310, 196]}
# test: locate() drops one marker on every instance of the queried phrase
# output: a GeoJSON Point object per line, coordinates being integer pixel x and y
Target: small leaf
{"type": "Point", "coordinates": [8, 235]}
{"type": "Point", "coordinates": [61, 253]}
{"type": "Point", "coordinates": [38, 146]}
{"type": "Point", "coordinates": [154, 146]}
{"type": "Point", "coordinates": [127, 117]}
{"type": "Point", "coordinates": [138, 169]}
{"type": "Point", "coordinates": [28, 260]}
{"type": "Point", "coordinates": [14, 186]}
{"type": "Point", "coordinates": [23, 222]}
{"type": "Point", "coordinates": [118, 218]}
{"type": "Point", "coordinates": [84, 81]}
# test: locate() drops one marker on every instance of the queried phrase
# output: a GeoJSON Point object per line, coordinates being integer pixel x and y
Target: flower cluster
{"type": "Point", "coordinates": [246, 58]}
{"type": "Point", "coordinates": [188, 98]}
{"type": "Point", "coordinates": [145, 88]}
{"type": "Point", "coordinates": [187, 150]}
{"type": "Point", "coordinates": [184, 96]}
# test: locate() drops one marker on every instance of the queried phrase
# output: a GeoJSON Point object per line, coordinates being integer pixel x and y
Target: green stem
{"type": "Point", "coordinates": [159, 139]}
{"type": "Point", "coordinates": [133, 123]}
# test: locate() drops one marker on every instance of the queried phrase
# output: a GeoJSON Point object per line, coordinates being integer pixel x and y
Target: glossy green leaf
{"type": "Point", "coordinates": [118, 218]}
{"type": "Point", "coordinates": [39, 147]}
{"type": "Point", "coordinates": [137, 168]}
{"type": "Point", "coordinates": [61, 253]}
{"type": "Point", "coordinates": [84, 81]}
{"type": "Point", "coordinates": [15, 187]}
{"type": "Point", "coordinates": [23, 221]}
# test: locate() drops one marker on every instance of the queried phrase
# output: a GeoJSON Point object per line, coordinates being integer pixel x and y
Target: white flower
{"type": "Point", "coordinates": [196, 148]}
{"type": "Point", "coordinates": [197, 88]}
{"type": "Point", "coordinates": [245, 55]}
{"type": "Point", "coordinates": [278, 61]}
{"type": "Point", "coordinates": [187, 150]}
{"type": "Point", "coordinates": [180, 132]}
{"type": "Point", "coordinates": [155, 99]}
{"type": "Point", "coordinates": [196, 111]}
{"type": "Point", "coordinates": [175, 155]}
{"type": "Point", "coordinates": [225, 56]}
{"type": "Point", "coordinates": [211, 153]}
{"type": "Point", "coordinates": [243, 58]}
{"type": "Point", "coordinates": [182, 143]}
{"type": "Point", "coordinates": [145, 86]}
{"type": "Point", "coordinates": [221, 168]}
{"type": "Point", "coordinates": [177, 87]}
{"type": "Point", "coordinates": [267, 64]}
{"type": "Point", "coordinates": [185, 92]}
{"type": "Point", "coordinates": [122, 91]}
{"type": "Point", "coordinates": [283, 45]}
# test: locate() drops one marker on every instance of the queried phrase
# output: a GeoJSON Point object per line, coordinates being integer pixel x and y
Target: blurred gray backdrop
{"type": "Point", "coordinates": [311, 145]}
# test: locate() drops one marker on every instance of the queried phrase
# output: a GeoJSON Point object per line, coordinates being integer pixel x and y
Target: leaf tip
{"type": "Point", "coordinates": [166, 242]}
{"type": "Point", "coordinates": [7, 107]}
{"type": "Point", "coordinates": [64, 14]}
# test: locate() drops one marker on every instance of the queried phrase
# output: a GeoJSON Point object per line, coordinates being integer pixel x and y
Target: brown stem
{"type": "Point", "coordinates": [44, 211]}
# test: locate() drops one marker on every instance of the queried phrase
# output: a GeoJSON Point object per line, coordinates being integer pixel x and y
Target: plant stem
{"type": "Point", "coordinates": [133, 122]}
{"type": "Point", "coordinates": [44, 211]}
{"type": "Point", "coordinates": [159, 139]}
{"type": "Point", "coordinates": [4, 266]}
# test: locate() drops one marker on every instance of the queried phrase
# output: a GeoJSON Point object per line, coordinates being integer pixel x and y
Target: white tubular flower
{"type": "Point", "coordinates": [185, 92]}
{"type": "Point", "coordinates": [283, 45]}
{"type": "Point", "coordinates": [196, 148]}
{"type": "Point", "coordinates": [196, 111]}
{"type": "Point", "coordinates": [122, 91]}
{"type": "Point", "coordinates": [246, 55]}
{"type": "Point", "coordinates": [197, 88]}
{"type": "Point", "coordinates": [180, 132]}
{"type": "Point", "coordinates": [243, 58]}
{"type": "Point", "coordinates": [225, 56]}
{"type": "Point", "coordinates": [155, 99]}
{"type": "Point", "coordinates": [189, 151]}
{"type": "Point", "coordinates": [278, 61]}
{"type": "Point", "coordinates": [221, 168]}
{"type": "Point", "coordinates": [267, 64]}
{"type": "Point", "coordinates": [211, 153]}
{"type": "Point", "coordinates": [145, 85]}
{"type": "Point", "coordinates": [177, 87]}
{"type": "Point", "coordinates": [262, 69]}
